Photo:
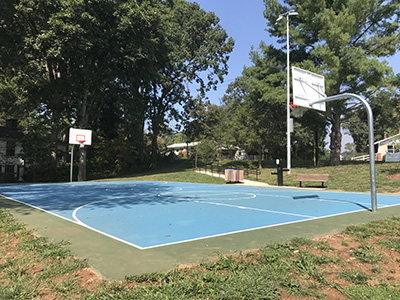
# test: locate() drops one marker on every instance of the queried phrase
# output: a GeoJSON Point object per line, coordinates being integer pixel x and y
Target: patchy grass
{"type": "Point", "coordinates": [33, 268]}
{"type": "Point", "coordinates": [360, 263]}
{"type": "Point", "coordinates": [350, 176]}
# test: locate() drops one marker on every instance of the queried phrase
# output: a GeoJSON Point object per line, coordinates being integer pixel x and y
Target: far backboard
{"type": "Point", "coordinates": [308, 87]}
{"type": "Point", "coordinates": [80, 136]}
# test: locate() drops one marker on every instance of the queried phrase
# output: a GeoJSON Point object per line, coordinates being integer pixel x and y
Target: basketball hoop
{"type": "Point", "coordinates": [80, 139]}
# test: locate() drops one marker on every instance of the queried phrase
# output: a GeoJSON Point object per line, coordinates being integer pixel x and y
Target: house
{"type": "Point", "coordinates": [184, 147]}
{"type": "Point", "coordinates": [387, 148]}
{"type": "Point", "coordinates": [11, 164]}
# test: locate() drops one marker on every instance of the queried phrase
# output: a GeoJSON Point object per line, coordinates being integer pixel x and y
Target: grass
{"type": "Point", "coordinates": [180, 171]}
{"type": "Point", "coordinates": [350, 176]}
{"type": "Point", "coordinates": [33, 268]}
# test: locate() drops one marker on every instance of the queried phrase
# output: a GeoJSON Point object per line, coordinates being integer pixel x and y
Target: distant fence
{"type": "Point", "coordinates": [363, 157]}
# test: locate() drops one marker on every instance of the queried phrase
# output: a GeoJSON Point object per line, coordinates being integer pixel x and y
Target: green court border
{"type": "Point", "coordinates": [115, 260]}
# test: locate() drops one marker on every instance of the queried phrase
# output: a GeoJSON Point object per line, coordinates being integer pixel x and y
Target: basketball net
{"type": "Point", "coordinates": [298, 111]}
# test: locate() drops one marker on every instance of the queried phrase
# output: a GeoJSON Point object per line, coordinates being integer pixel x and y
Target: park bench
{"type": "Point", "coordinates": [313, 178]}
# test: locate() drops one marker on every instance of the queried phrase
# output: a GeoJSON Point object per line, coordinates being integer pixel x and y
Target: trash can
{"type": "Point", "coordinates": [232, 175]}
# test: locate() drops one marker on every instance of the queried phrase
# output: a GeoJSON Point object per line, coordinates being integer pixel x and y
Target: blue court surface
{"type": "Point", "coordinates": [148, 214]}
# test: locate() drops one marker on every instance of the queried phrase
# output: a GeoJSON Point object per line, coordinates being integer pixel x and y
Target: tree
{"type": "Point", "coordinates": [192, 42]}
{"type": "Point", "coordinates": [71, 58]}
{"type": "Point", "coordinates": [258, 110]}
{"type": "Point", "coordinates": [385, 109]}
{"type": "Point", "coordinates": [345, 41]}
{"type": "Point", "coordinates": [108, 66]}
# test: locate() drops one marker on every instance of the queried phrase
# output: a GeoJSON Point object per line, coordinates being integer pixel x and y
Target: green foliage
{"type": "Point", "coordinates": [346, 41]}
{"type": "Point", "coordinates": [207, 150]}
{"type": "Point", "coordinates": [110, 157]}
{"type": "Point", "coordinates": [104, 65]}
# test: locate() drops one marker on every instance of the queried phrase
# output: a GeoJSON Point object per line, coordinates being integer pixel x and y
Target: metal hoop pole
{"type": "Point", "coordinates": [370, 139]}
{"type": "Point", "coordinates": [72, 163]}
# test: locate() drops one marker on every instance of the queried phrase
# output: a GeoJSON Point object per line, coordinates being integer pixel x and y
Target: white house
{"type": "Point", "coordinates": [387, 148]}
{"type": "Point", "coordinates": [184, 147]}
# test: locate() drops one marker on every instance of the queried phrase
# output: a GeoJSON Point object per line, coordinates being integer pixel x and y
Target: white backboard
{"type": "Point", "coordinates": [308, 87]}
{"type": "Point", "coordinates": [80, 136]}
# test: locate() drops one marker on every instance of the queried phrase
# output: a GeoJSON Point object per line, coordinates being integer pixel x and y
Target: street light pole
{"type": "Point", "coordinates": [288, 145]}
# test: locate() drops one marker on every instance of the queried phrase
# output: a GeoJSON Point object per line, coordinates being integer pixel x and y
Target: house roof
{"type": "Point", "coordinates": [387, 140]}
{"type": "Point", "coordinates": [182, 145]}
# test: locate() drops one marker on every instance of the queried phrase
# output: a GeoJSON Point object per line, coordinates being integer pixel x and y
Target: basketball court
{"type": "Point", "coordinates": [155, 214]}
{"type": "Point", "coordinates": [131, 227]}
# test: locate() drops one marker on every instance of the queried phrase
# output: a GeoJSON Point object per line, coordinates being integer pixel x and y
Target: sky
{"type": "Point", "coordinates": [245, 23]}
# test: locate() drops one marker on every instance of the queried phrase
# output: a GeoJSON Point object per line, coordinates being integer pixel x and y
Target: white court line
{"type": "Point", "coordinates": [74, 222]}
{"type": "Point", "coordinates": [99, 231]}
{"type": "Point", "coordinates": [247, 230]}
{"type": "Point", "coordinates": [250, 208]}
{"type": "Point", "coordinates": [236, 206]}
{"type": "Point", "coordinates": [315, 199]}
{"type": "Point", "coordinates": [211, 194]}
{"type": "Point", "coordinates": [348, 201]}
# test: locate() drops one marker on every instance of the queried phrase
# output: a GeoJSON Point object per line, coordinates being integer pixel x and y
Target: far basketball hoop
{"type": "Point", "coordinates": [308, 87]}
{"type": "Point", "coordinates": [80, 136]}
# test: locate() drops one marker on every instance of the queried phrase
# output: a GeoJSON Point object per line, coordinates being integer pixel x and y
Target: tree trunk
{"type": "Point", "coordinates": [82, 163]}
{"type": "Point", "coordinates": [336, 140]}
{"type": "Point", "coordinates": [195, 160]}
{"type": "Point", "coordinates": [54, 133]}
{"type": "Point", "coordinates": [83, 124]}
{"type": "Point", "coordinates": [316, 146]}
{"type": "Point", "coordinates": [141, 144]}
{"type": "Point", "coordinates": [154, 145]}
{"type": "Point", "coordinates": [259, 157]}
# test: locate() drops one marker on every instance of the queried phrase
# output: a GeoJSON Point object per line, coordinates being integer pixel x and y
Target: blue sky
{"type": "Point", "coordinates": [244, 21]}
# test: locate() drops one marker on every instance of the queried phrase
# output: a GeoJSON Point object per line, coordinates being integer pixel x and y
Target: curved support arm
{"type": "Point", "coordinates": [370, 139]}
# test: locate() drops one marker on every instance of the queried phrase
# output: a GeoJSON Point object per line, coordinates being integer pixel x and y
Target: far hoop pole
{"type": "Point", "coordinates": [370, 139]}
{"type": "Point", "coordinates": [72, 163]}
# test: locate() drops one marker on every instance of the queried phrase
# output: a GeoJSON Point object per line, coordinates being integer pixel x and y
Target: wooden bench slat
{"type": "Point", "coordinates": [313, 178]}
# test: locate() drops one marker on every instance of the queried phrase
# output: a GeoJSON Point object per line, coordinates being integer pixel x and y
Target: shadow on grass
{"type": "Point", "coordinates": [180, 165]}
